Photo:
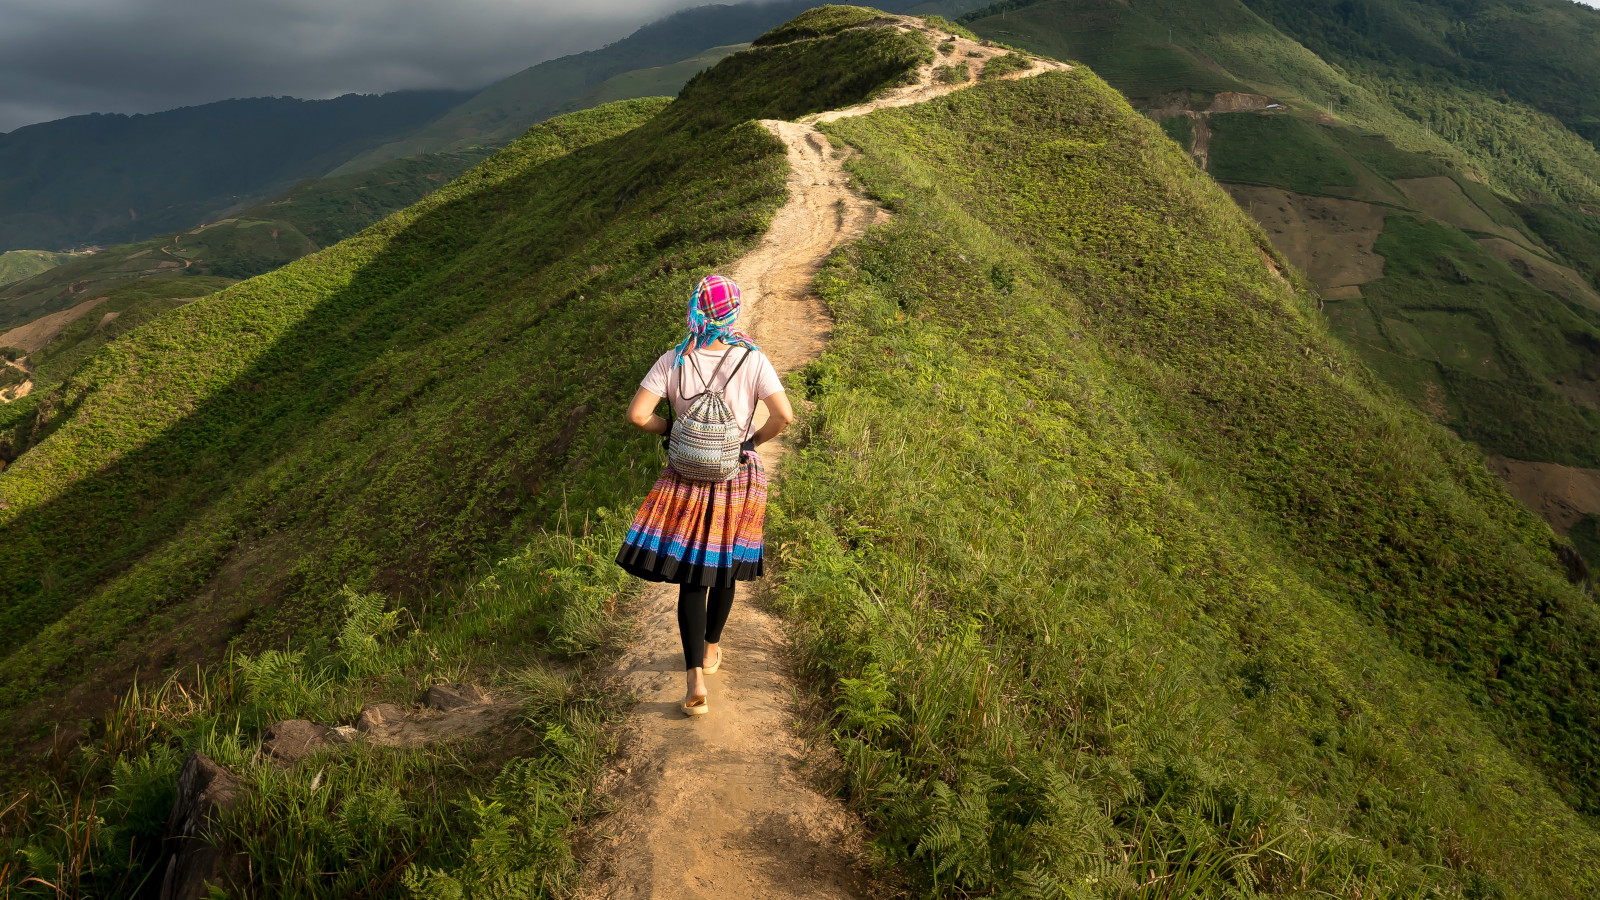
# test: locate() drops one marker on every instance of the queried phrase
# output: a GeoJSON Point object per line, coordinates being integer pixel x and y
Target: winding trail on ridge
{"type": "Point", "coordinates": [713, 807]}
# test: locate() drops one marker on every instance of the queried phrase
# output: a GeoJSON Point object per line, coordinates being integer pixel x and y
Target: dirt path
{"type": "Point", "coordinates": [712, 807]}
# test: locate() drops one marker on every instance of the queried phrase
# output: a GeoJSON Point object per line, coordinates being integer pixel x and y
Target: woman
{"type": "Point", "coordinates": [702, 535]}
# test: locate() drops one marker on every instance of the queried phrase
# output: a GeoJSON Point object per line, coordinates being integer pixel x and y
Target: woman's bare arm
{"type": "Point", "coordinates": [779, 416]}
{"type": "Point", "coordinates": [642, 413]}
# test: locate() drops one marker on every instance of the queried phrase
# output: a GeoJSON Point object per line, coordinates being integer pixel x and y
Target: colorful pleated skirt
{"type": "Point", "coordinates": [699, 533]}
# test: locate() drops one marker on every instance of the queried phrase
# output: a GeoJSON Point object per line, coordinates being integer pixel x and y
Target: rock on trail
{"type": "Point", "coordinates": [713, 807]}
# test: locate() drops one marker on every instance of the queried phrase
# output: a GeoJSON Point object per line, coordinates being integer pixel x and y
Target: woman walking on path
{"type": "Point", "coordinates": [700, 528]}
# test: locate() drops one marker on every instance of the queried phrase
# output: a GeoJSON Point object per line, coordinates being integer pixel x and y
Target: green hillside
{"type": "Point", "coordinates": [659, 81]}
{"type": "Point", "coordinates": [311, 215]}
{"type": "Point", "coordinates": [654, 61]}
{"type": "Point", "coordinates": [1449, 226]}
{"type": "Point", "coordinates": [1130, 579]}
{"type": "Point", "coordinates": [1113, 572]}
{"type": "Point", "coordinates": [15, 265]}
{"type": "Point", "coordinates": [382, 414]}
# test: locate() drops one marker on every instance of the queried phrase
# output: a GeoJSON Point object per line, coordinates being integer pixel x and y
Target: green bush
{"type": "Point", "coordinates": [1004, 65]}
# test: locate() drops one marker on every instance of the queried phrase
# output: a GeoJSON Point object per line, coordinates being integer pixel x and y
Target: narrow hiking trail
{"type": "Point", "coordinates": [713, 807]}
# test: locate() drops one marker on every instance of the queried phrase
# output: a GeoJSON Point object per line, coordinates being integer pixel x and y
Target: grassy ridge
{"type": "Point", "coordinates": [383, 412]}
{"type": "Point", "coordinates": [428, 391]}
{"type": "Point", "coordinates": [1125, 574]}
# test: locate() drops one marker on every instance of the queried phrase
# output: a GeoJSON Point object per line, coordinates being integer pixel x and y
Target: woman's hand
{"type": "Point", "coordinates": [642, 413]}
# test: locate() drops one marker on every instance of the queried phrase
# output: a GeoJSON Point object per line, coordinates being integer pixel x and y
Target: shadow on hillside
{"type": "Point", "coordinates": [408, 296]}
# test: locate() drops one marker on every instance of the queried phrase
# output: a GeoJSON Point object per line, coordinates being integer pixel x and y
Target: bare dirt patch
{"type": "Point", "coordinates": [34, 335]}
{"type": "Point", "coordinates": [1327, 238]}
{"type": "Point", "coordinates": [1542, 273]}
{"type": "Point", "coordinates": [714, 806]}
{"type": "Point", "coordinates": [1238, 101]}
{"type": "Point", "coordinates": [1561, 495]}
{"type": "Point", "coordinates": [1442, 198]}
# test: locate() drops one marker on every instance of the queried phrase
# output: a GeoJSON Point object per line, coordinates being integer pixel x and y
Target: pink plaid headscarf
{"type": "Point", "coordinates": [713, 309]}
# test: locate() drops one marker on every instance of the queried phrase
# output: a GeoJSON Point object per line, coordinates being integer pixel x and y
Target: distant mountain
{"type": "Point", "coordinates": [680, 43]}
{"type": "Point", "coordinates": [107, 179]}
{"type": "Point", "coordinates": [314, 214]}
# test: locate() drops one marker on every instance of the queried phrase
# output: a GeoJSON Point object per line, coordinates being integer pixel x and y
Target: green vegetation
{"type": "Point", "coordinates": [1124, 578]}
{"type": "Point", "coordinates": [661, 81]}
{"type": "Point", "coordinates": [122, 310]}
{"type": "Point", "coordinates": [1004, 65]}
{"type": "Point", "coordinates": [1410, 96]}
{"type": "Point", "coordinates": [953, 74]}
{"type": "Point", "coordinates": [1494, 342]}
{"type": "Point", "coordinates": [1573, 231]}
{"type": "Point", "coordinates": [456, 819]}
{"type": "Point", "coordinates": [385, 412]}
{"type": "Point", "coordinates": [1281, 151]}
{"type": "Point", "coordinates": [311, 215]}
{"type": "Point", "coordinates": [1540, 53]}
{"type": "Point", "coordinates": [375, 418]}
{"type": "Point", "coordinates": [1586, 538]}
{"type": "Point", "coordinates": [820, 22]}
{"type": "Point", "coordinates": [501, 112]}
{"type": "Point", "coordinates": [108, 179]}
{"type": "Point", "coordinates": [941, 24]}
{"type": "Point", "coordinates": [16, 265]}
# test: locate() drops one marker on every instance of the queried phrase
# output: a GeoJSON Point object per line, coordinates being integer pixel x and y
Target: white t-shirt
{"type": "Point", "coordinates": [756, 380]}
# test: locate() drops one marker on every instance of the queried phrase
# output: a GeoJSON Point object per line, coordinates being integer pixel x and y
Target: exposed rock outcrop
{"type": "Point", "coordinates": [206, 793]}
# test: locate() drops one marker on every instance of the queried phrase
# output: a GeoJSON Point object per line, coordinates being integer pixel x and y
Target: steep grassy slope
{"type": "Point", "coordinates": [383, 412]}
{"type": "Point", "coordinates": [436, 385]}
{"type": "Point", "coordinates": [110, 178]}
{"type": "Point", "coordinates": [15, 265]}
{"type": "Point", "coordinates": [1457, 256]}
{"type": "Point", "coordinates": [1126, 580]}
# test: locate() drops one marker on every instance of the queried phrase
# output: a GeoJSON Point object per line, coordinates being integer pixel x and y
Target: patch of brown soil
{"type": "Point", "coordinates": [1561, 495]}
{"type": "Point", "coordinates": [1542, 273]}
{"type": "Point", "coordinates": [1439, 196]}
{"type": "Point", "coordinates": [713, 806]}
{"type": "Point", "coordinates": [1327, 238]}
{"type": "Point", "coordinates": [34, 335]}
{"type": "Point", "coordinates": [1583, 391]}
{"type": "Point", "coordinates": [1238, 101]}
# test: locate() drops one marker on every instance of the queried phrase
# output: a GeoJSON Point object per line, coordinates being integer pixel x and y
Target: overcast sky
{"type": "Point", "coordinates": [65, 57]}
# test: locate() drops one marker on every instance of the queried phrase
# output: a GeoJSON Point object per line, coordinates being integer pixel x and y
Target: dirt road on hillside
{"type": "Point", "coordinates": [713, 807]}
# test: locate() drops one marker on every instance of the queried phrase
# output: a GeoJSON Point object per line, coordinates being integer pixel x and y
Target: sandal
{"type": "Point", "coordinates": [712, 669]}
{"type": "Point", "coordinates": [695, 706]}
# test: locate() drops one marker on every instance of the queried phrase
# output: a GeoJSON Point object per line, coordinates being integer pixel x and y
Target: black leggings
{"type": "Point", "coordinates": [700, 620]}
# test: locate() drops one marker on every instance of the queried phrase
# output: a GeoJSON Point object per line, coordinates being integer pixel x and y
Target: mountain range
{"type": "Point", "coordinates": [109, 179]}
{"type": "Point", "coordinates": [1137, 538]}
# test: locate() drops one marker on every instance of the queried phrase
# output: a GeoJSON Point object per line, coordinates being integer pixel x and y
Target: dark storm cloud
{"type": "Point", "coordinates": [64, 57]}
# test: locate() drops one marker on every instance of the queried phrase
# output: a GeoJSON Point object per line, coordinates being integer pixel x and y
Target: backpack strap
{"type": "Point", "coordinates": [703, 380]}
{"type": "Point", "coordinates": [755, 403]}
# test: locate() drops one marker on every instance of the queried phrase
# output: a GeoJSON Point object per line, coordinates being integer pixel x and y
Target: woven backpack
{"type": "Point", "coordinates": [705, 442]}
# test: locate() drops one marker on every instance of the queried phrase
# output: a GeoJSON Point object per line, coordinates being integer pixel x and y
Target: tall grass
{"type": "Point", "coordinates": [1064, 547]}
{"type": "Point", "coordinates": [489, 816]}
